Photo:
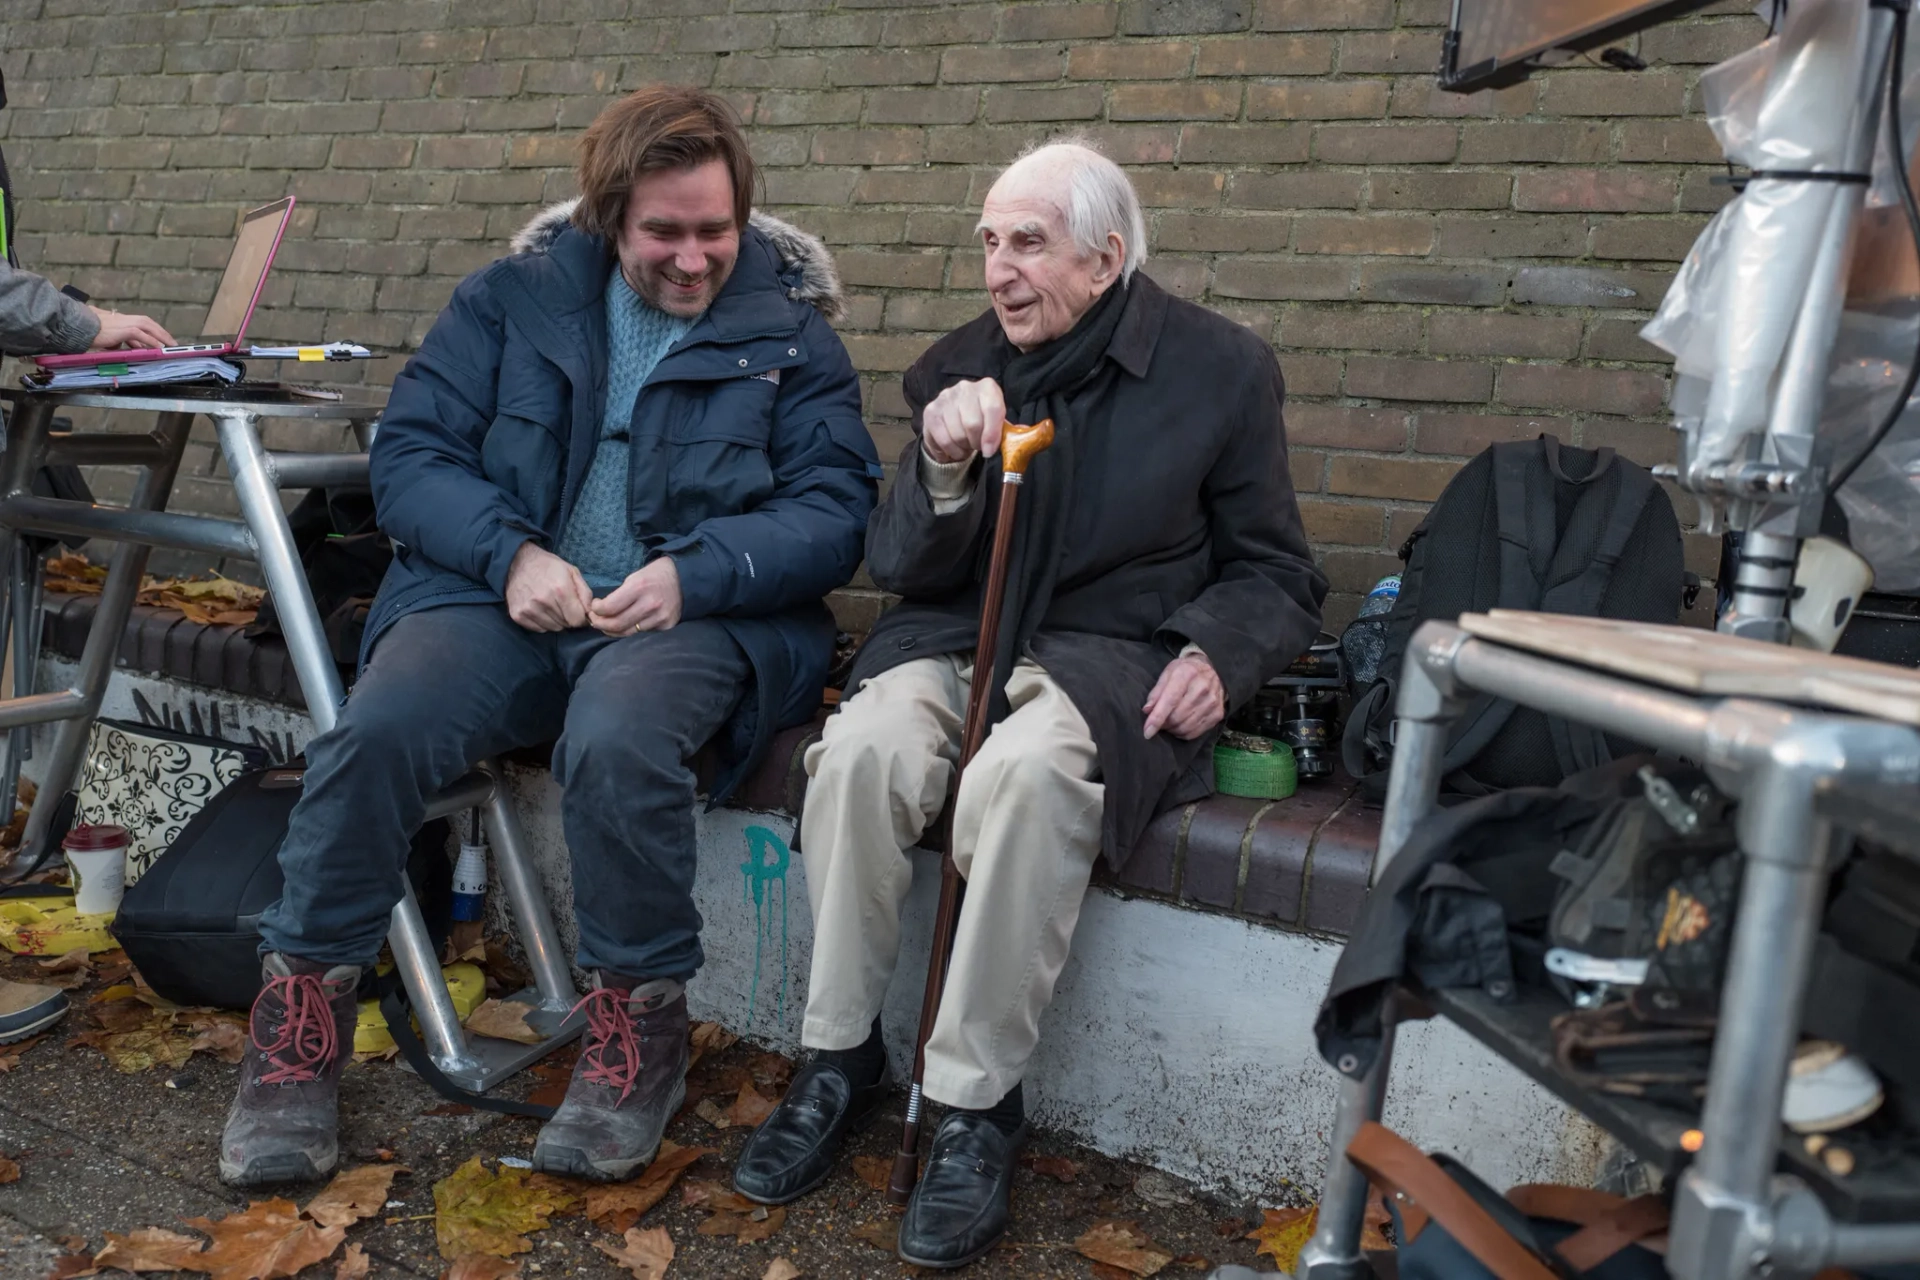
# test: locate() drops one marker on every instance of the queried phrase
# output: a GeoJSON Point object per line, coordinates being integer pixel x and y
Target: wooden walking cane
{"type": "Point", "coordinates": [1018, 447]}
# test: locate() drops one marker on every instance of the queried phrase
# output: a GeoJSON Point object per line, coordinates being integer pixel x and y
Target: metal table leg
{"type": "Point", "coordinates": [23, 617]}
{"type": "Point", "coordinates": [475, 1062]}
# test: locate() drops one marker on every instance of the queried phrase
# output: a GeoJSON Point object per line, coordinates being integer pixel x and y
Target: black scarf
{"type": "Point", "coordinates": [1043, 383]}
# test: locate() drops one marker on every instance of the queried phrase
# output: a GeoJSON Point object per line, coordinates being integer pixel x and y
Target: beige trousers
{"type": "Point", "coordinates": [1026, 832]}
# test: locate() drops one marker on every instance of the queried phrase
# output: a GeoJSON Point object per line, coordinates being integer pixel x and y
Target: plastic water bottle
{"type": "Point", "coordinates": [1364, 642]}
{"type": "Point", "coordinates": [470, 876]}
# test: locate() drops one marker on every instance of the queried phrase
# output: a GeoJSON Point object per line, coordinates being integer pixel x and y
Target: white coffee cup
{"type": "Point", "coordinates": [97, 857]}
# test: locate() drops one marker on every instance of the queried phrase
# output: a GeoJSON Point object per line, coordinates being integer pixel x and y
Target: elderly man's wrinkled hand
{"type": "Point", "coordinates": [964, 420]}
{"type": "Point", "coordinates": [1187, 700]}
{"type": "Point", "coordinates": [649, 600]}
{"type": "Point", "coordinates": [544, 592]}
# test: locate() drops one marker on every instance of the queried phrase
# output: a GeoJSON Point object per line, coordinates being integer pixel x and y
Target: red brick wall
{"type": "Point", "coordinates": [1436, 272]}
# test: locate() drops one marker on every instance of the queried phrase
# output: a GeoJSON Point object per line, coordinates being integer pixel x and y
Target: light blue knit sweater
{"type": "Point", "coordinates": [598, 539]}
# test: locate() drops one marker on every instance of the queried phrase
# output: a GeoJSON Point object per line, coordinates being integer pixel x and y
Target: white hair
{"type": "Point", "coordinates": [1099, 198]}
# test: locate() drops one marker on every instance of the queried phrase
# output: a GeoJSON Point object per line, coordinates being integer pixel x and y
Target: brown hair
{"type": "Point", "coordinates": [660, 127]}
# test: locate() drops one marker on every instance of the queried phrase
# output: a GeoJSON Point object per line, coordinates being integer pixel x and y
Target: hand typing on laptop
{"type": "Point", "coordinates": [119, 330]}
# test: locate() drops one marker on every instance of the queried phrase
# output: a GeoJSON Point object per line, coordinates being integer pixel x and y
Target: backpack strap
{"type": "Point", "coordinates": [1399, 1168]}
{"type": "Point", "coordinates": [1521, 543]}
{"type": "Point", "coordinates": [399, 1015]}
{"type": "Point", "coordinates": [1608, 1223]}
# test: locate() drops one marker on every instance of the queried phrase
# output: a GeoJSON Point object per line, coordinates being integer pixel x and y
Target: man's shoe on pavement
{"type": "Point", "coordinates": [27, 1008]}
{"type": "Point", "coordinates": [793, 1150]}
{"type": "Point", "coordinates": [960, 1210]}
{"type": "Point", "coordinates": [282, 1124]}
{"type": "Point", "coordinates": [629, 1082]}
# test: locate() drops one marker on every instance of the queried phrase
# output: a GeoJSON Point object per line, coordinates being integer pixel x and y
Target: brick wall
{"type": "Point", "coordinates": [1436, 272]}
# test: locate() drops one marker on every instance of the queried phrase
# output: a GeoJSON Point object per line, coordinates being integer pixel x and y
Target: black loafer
{"type": "Point", "coordinates": [792, 1151]}
{"type": "Point", "coordinates": [961, 1209]}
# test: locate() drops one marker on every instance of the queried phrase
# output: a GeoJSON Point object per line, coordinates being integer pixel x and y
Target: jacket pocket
{"type": "Point", "coordinates": [717, 450]}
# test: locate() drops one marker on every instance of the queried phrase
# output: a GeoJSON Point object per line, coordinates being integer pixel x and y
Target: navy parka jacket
{"type": "Point", "coordinates": [751, 466]}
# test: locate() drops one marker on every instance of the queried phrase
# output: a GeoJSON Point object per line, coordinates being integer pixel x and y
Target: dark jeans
{"type": "Point", "coordinates": [450, 686]}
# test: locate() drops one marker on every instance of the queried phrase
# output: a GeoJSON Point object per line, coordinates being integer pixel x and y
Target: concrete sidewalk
{"type": "Point", "coordinates": [101, 1151]}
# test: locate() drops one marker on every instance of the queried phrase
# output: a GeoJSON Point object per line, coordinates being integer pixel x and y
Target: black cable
{"type": "Point", "coordinates": [1911, 208]}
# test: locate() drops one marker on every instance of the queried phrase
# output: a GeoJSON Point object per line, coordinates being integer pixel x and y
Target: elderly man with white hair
{"type": "Point", "coordinates": [1160, 576]}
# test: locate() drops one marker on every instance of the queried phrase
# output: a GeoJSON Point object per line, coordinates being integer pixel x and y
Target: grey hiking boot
{"type": "Point", "coordinates": [629, 1082]}
{"type": "Point", "coordinates": [300, 1035]}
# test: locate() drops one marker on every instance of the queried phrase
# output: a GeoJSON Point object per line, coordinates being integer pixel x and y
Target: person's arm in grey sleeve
{"type": "Point", "coordinates": [37, 319]}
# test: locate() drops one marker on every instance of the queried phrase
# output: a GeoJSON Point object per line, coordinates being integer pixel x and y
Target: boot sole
{"type": "Point", "coordinates": [956, 1263]}
{"type": "Point", "coordinates": [267, 1171]}
{"type": "Point", "coordinates": [855, 1125]}
{"type": "Point", "coordinates": [572, 1162]}
{"type": "Point", "coordinates": [17, 1034]}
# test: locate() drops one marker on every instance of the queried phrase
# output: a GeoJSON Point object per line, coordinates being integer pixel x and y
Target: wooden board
{"type": "Point", "coordinates": [1708, 663]}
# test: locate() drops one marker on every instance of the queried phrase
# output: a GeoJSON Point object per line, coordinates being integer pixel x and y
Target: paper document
{"type": "Point", "coordinates": [324, 351]}
{"type": "Point", "coordinates": [145, 374]}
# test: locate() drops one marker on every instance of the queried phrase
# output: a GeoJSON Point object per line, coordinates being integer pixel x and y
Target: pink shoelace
{"type": "Point", "coordinates": [307, 1040]}
{"type": "Point", "coordinates": [609, 1026]}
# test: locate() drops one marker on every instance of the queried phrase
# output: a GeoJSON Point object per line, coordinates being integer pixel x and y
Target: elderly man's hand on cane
{"type": "Point", "coordinates": [965, 419]}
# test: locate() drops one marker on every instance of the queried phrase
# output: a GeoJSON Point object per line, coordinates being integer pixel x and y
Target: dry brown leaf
{"type": "Point", "coordinates": [354, 1264]}
{"type": "Point", "coordinates": [225, 1040]}
{"type": "Point", "coordinates": [1194, 1262]}
{"type": "Point", "coordinates": [70, 1266]}
{"type": "Point", "coordinates": [748, 1108]}
{"type": "Point", "coordinates": [481, 1266]}
{"type": "Point", "coordinates": [72, 962]}
{"type": "Point", "coordinates": [1373, 1231]}
{"type": "Point", "coordinates": [1124, 1245]}
{"type": "Point", "coordinates": [9, 1171]}
{"type": "Point", "coordinates": [151, 1249]}
{"type": "Point", "coordinates": [875, 1171]}
{"type": "Point", "coordinates": [1058, 1168]}
{"type": "Point", "coordinates": [883, 1234]}
{"type": "Point", "coordinates": [781, 1269]}
{"type": "Point", "coordinates": [269, 1240]}
{"type": "Point", "coordinates": [646, 1254]}
{"type": "Point", "coordinates": [1283, 1233]}
{"type": "Point", "coordinates": [771, 1071]}
{"type": "Point", "coordinates": [616, 1208]}
{"type": "Point", "coordinates": [564, 1196]}
{"type": "Point", "coordinates": [702, 1193]}
{"type": "Point", "coordinates": [354, 1194]}
{"type": "Point", "coordinates": [10, 1054]}
{"type": "Point", "coordinates": [707, 1110]}
{"type": "Point", "coordinates": [745, 1227]}
{"type": "Point", "coordinates": [477, 1210]}
{"type": "Point", "coordinates": [1107, 1271]}
{"type": "Point", "coordinates": [709, 1037]}
{"type": "Point", "coordinates": [503, 1020]}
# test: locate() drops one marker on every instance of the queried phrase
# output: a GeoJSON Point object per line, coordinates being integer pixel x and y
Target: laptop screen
{"type": "Point", "coordinates": [252, 252]}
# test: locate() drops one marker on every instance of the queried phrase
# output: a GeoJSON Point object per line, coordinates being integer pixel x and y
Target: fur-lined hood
{"type": "Point", "coordinates": [809, 269]}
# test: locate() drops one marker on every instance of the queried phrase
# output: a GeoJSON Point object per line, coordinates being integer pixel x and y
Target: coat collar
{"type": "Point", "coordinates": [980, 348]}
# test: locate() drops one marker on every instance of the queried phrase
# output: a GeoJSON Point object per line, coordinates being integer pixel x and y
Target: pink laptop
{"type": "Point", "coordinates": [233, 303]}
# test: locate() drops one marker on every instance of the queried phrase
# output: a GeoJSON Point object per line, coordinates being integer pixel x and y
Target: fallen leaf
{"type": "Point", "coordinates": [875, 1171]}
{"type": "Point", "coordinates": [1107, 1271]}
{"type": "Point", "coordinates": [708, 1037]}
{"type": "Point", "coordinates": [745, 1227]}
{"type": "Point", "coordinates": [749, 1108]}
{"type": "Point", "coordinates": [481, 1266]}
{"type": "Point", "coordinates": [565, 1196]}
{"type": "Point", "coordinates": [550, 1094]}
{"type": "Point", "coordinates": [781, 1269]}
{"type": "Point", "coordinates": [70, 1266]}
{"type": "Point", "coordinates": [477, 1210]}
{"type": "Point", "coordinates": [224, 1040]}
{"type": "Point", "coordinates": [385, 1155]}
{"type": "Point", "coordinates": [353, 1195]}
{"type": "Point", "coordinates": [645, 1253]}
{"type": "Point", "coordinates": [883, 1234]}
{"type": "Point", "coordinates": [72, 962]}
{"type": "Point", "coordinates": [1194, 1262]}
{"type": "Point", "coordinates": [772, 1070]}
{"type": "Point", "coordinates": [1373, 1233]}
{"type": "Point", "coordinates": [1058, 1168]}
{"type": "Point", "coordinates": [617, 1207]}
{"type": "Point", "coordinates": [270, 1239]}
{"type": "Point", "coordinates": [712, 1114]}
{"type": "Point", "coordinates": [152, 1045]}
{"type": "Point", "coordinates": [1283, 1233]}
{"type": "Point", "coordinates": [9, 1171]}
{"type": "Point", "coordinates": [10, 1054]}
{"type": "Point", "coordinates": [702, 1193]}
{"type": "Point", "coordinates": [504, 1020]}
{"type": "Point", "coordinates": [354, 1264]}
{"type": "Point", "coordinates": [1124, 1245]}
{"type": "Point", "coordinates": [151, 1249]}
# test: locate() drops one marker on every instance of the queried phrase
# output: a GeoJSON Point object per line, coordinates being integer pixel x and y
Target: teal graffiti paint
{"type": "Point", "coordinates": [764, 869]}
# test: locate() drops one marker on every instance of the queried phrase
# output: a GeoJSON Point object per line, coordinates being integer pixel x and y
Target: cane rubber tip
{"type": "Point", "coordinates": [906, 1172]}
{"type": "Point", "coordinates": [1019, 445]}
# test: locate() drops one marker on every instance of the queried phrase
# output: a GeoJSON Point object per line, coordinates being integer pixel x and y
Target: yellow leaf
{"type": "Point", "coordinates": [477, 1210]}
{"type": "Point", "coordinates": [646, 1254]}
{"type": "Point", "coordinates": [354, 1194]}
{"type": "Point", "coordinates": [1283, 1234]}
{"type": "Point", "coordinates": [267, 1241]}
{"type": "Point", "coordinates": [1123, 1245]}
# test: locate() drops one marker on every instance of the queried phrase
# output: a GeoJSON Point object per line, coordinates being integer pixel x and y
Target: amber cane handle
{"type": "Point", "coordinates": [1021, 445]}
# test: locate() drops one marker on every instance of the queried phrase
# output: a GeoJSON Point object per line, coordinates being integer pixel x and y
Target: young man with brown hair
{"type": "Point", "coordinates": [620, 473]}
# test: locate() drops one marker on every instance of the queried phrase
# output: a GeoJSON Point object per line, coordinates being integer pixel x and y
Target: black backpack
{"type": "Point", "coordinates": [1528, 525]}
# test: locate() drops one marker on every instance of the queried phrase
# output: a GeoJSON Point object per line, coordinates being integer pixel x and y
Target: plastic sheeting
{"type": "Point", "coordinates": [1752, 264]}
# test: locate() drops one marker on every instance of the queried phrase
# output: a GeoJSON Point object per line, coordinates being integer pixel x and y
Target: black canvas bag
{"type": "Point", "coordinates": [191, 925]}
{"type": "Point", "coordinates": [1526, 525]}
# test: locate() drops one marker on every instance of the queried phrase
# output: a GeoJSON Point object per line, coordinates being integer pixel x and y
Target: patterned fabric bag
{"type": "Point", "coordinates": [152, 781]}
